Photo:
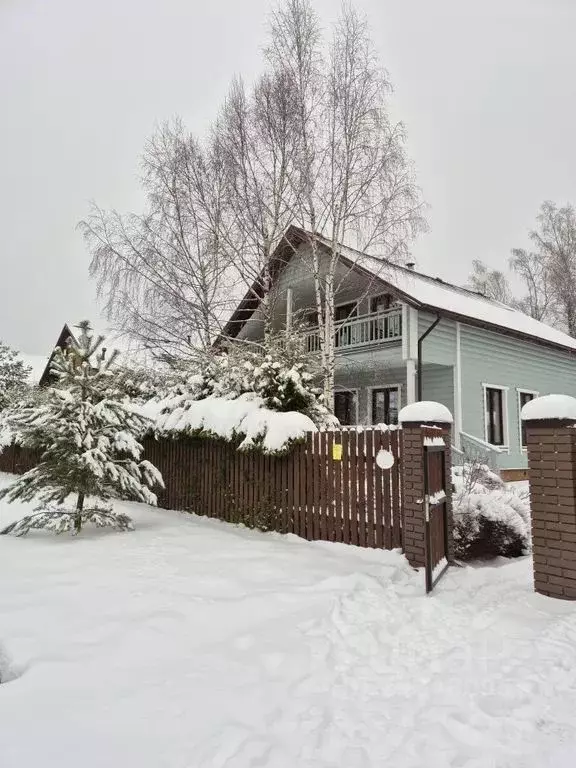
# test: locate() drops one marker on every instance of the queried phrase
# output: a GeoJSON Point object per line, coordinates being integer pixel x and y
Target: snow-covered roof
{"type": "Point", "coordinates": [436, 294]}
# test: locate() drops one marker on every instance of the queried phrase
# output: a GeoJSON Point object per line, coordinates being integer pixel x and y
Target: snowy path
{"type": "Point", "coordinates": [190, 643]}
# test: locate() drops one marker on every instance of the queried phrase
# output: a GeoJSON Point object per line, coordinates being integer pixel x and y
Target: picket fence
{"type": "Point", "coordinates": [328, 487]}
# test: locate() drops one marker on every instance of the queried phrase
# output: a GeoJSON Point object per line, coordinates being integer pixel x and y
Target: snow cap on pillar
{"type": "Point", "coordinates": [550, 407]}
{"type": "Point", "coordinates": [425, 411]}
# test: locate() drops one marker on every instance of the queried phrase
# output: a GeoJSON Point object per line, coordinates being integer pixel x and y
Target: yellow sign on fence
{"type": "Point", "coordinates": [337, 452]}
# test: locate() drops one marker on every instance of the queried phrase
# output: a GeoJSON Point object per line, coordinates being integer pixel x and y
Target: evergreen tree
{"type": "Point", "coordinates": [87, 433]}
{"type": "Point", "coordinates": [13, 375]}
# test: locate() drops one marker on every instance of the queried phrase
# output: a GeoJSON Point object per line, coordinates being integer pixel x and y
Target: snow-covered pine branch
{"type": "Point", "coordinates": [13, 375]}
{"type": "Point", "coordinates": [88, 435]}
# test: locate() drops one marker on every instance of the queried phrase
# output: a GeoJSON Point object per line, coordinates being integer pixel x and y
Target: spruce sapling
{"type": "Point", "coordinates": [87, 434]}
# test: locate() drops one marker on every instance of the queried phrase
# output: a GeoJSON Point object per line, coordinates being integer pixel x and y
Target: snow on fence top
{"type": "Point", "coordinates": [244, 416]}
{"type": "Point", "coordinates": [424, 411]}
{"type": "Point", "coordinates": [550, 407]}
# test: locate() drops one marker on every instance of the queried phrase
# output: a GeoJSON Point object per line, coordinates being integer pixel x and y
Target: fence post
{"type": "Point", "coordinates": [414, 418]}
{"type": "Point", "coordinates": [550, 423]}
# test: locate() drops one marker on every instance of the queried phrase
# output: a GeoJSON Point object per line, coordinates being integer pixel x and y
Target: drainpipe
{"type": "Point", "coordinates": [420, 340]}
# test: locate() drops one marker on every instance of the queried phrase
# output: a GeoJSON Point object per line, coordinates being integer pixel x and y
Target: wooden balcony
{"type": "Point", "coordinates": [364, 331]}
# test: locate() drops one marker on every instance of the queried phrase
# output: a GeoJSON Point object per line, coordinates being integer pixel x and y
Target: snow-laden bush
{"type": "Point", "coordinates": [245, 417]}
{"type": "Point", "coordinates": [490, 519]}
{"type": "Point", "coordinates": [278, 371]}
{"type": "Point", "coordinates": [265, 396]}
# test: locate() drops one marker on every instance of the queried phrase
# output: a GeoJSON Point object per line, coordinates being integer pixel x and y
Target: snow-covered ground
{"type": "Point", "coordinates": [193, 644]}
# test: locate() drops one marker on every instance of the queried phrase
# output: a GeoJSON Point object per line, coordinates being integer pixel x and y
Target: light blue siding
{"type": "Point", "coordinates": [492, 358]}
{"type": "Point", "coordinates": [438, 385]}
{"type": "Point", "coordinates": [440, 345]}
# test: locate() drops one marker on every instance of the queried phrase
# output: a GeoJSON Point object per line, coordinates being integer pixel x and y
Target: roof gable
{"type": "Point", "coordinates": [415, 288]}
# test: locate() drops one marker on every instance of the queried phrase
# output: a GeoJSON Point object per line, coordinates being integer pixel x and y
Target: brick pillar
{"type": "Point", "coordinates": [552, 474]}
{"type": "Point", "coordinates": [413, 522]}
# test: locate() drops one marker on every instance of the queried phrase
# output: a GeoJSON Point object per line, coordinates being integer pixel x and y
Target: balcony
{"type": "Point", "coordinates": [364, 331]}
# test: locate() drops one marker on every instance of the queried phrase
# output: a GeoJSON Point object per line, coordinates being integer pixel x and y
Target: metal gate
{"type": "Point", "coordinates": [435, 506]}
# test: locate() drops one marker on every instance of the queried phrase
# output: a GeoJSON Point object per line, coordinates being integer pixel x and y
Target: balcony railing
{"type": "Point", "coordinates": [362, 331]}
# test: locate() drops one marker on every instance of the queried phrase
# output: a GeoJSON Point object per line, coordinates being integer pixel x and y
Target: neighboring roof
{"type": "Point", "coordinates": [421, 291]}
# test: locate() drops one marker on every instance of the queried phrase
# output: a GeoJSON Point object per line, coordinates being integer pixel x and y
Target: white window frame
{"type": "Point", "coordinates": [505, 448]}
{"type": "Point", "coordinates": [522, 391]}
{"type": "Point", "coordinates": [355, 391]}
{"type": "Point", "coordinates": [369, 391]}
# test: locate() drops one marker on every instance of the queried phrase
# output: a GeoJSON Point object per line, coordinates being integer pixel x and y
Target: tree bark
{"type": "Point", "coordinates": [78, 515]}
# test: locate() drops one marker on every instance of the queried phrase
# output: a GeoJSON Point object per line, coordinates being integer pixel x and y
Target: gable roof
{"type": "Point", "coordinates": [65, 334]}
{"type": "Point", "coordinates": [418, 290]}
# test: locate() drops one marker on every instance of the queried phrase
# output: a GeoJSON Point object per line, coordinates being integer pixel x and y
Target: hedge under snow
{"type": "Point", "coordinates": [490, 519]}
{"type": "Point", "coordinates": [244, 416]}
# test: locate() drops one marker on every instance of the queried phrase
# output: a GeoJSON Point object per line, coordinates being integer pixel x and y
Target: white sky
{"type": "Point", "coordinates": [486, 89]}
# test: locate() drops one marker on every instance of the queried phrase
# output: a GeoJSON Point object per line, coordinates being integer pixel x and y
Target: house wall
{"type": "Point", "coordinates": [492, 358]}
{"type": "Point", "coordinates": [438, 385]}
{"type": "Point", "coordinates": [364, 379]}
{"type": "Point", "coordinates": [439, 346]}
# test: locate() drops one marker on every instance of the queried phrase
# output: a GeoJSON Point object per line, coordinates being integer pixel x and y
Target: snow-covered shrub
{"type": "Point", "coordinates": [13, 375]}
{"type": "Point", "coordinates": [87, 433]}
{"type": "Point", "coordinates": [490, 520]}
{"type": "Point", "coordinates": [265, 396]}
{"type": "Point", "coordinates": [278, 371]}
{"type": "Point", "coordinates": [244, 417]}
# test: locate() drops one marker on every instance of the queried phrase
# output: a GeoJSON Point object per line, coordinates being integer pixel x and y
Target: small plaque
{"type": "Point", "coordinates": [337, 452]}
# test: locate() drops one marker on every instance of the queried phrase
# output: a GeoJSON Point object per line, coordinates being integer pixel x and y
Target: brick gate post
{"type": "Point", "coordinates": [550, 423]}
{"type": "Point", "coordinates": [413, 419]}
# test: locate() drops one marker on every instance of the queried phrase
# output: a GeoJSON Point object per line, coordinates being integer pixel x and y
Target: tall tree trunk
{"type": "Point", "coordinates": [78, 514]}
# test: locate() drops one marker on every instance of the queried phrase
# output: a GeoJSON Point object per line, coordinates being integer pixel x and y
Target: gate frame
{"type": "Point", "coordinates": [429, 509]}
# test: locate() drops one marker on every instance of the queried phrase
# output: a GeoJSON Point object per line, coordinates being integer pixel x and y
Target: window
{"type": "Point", "coordinates": [524, 396]}
{"type": "Point", "coordinates": [495, 410]}
{"type": "Point", "coordinates": [385, 405]}
{"type": "Point", "coordinates": [344, 311]}
{"type": "Point", "coordinates": [381, 303]}
{"type": "Point", "coordinates": [345, 407]}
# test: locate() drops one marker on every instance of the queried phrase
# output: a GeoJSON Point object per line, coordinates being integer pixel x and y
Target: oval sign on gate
{"type": "Point", "coordinates": [384, 459]}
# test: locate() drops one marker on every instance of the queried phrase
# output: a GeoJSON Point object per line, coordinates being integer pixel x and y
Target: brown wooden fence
{"type": "Point", "coordinates": [17, 460]}
{"type": "Point", "coordinates": [328, 487]}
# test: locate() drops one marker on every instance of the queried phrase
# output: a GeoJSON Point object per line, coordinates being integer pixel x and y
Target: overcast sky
{"type": "Point", "coordinates": [486, 89]}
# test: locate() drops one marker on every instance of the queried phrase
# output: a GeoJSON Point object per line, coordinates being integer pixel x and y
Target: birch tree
{"type": "Point", "coordinates": [539, 301]}
{"type": "Point", "coordinates": [555, 240]}
{"type": "Point", "coordinates": [354, 181]}
{"type": "Point", "coordinates": [165, 276]}
{"type": "Point", "coordinates": [491, 283]}
{"type": "Point", "coordinates": [258, 134]}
